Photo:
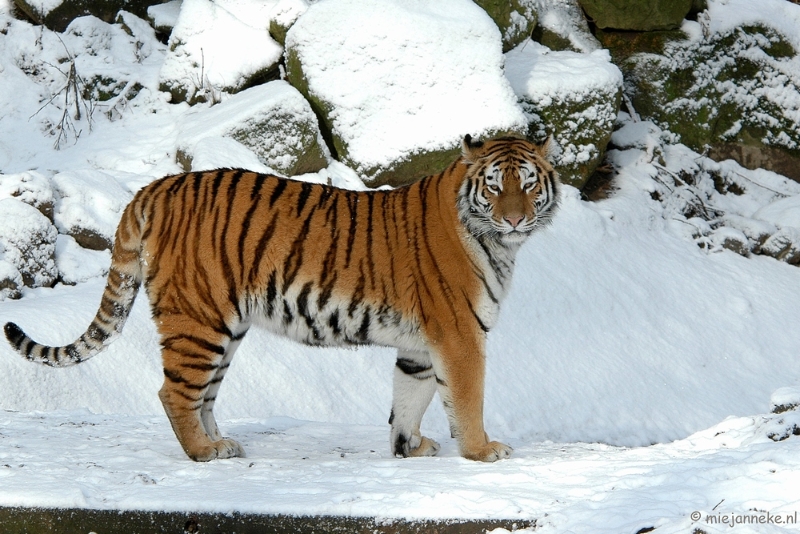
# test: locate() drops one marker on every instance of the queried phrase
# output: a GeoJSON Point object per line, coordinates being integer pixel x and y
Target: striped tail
{"type": "Point", "coordinates": [122, 285]}
{"type": "Point", "coordinates": [114, 309]}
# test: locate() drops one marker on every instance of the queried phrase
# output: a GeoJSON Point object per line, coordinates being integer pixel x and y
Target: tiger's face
{"type": "Point", "coordinates": [510, 189]}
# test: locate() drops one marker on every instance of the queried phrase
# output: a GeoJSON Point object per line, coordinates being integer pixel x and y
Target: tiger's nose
{"type": "Point", "coordinates": [513, 220]}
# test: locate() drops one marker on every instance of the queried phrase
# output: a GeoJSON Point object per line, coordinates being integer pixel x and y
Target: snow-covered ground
{"type": "Point", "coordinates": [631, 369]}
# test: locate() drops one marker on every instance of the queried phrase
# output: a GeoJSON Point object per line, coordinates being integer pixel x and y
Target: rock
{"type": "Point", "coordinates": [273, 120]}
{"type": "Point", "coordinates": [396, 98]}
{"type": "Point", "coordinates": [57, 15]}
{"type": "Point", "coordinates": [284, 14]}
{"type": "Point", "coordinates": [77, 264]}
{"type": "Point", "coordinates": [639, 15]}
{"type": "Point", "coordinates": [27, 248]}
{"type": "Point", "coordinates": [574, 97]}
{"type": "Point", "coordinates": [89, 208]}
{"type": "Point", "coordinates": [734, 94]}
{"type": "Point", "coordinates": [164, 16]}
{"type": "Point", "coordinates": [215, 49]}
{"type": "Point", "coordinates": [31, 188]}
{"type": "Point", "coordinates": [784, 245]}
{"type": "Point", "coordinates": [516, 19]}
{"type": "Point", "coordinates": [562, 26]}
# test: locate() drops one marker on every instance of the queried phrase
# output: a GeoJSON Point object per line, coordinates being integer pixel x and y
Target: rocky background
{"type": "Point", "coordinates": [278, 78]}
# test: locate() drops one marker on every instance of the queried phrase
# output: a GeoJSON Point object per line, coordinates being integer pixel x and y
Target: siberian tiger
{"type": "Point", "coordinates": [422, 268]}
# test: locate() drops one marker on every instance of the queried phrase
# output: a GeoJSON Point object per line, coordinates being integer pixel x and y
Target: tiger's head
{"type": "Point", "coordinates": [510, 188]}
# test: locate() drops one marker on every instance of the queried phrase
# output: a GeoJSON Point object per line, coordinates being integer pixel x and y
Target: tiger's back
{"type": "Point", "coordinates": [219, 251]}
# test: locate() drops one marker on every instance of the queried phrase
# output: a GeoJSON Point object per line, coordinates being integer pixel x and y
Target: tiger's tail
{"type": "Point", "coordinates": [122, 285]}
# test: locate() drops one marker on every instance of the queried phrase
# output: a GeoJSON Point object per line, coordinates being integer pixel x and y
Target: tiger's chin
{"type": "Point", "coordinates": [514, 237]}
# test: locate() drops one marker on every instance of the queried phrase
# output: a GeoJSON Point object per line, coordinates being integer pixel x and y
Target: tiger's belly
{"type": "Point", "coordinates": [336, 323]}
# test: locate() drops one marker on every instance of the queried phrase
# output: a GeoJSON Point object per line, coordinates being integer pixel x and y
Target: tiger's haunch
{"type": "Point", "coordinates": [422, 268]}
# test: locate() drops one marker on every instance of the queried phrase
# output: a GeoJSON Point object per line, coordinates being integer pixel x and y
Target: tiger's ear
{"type": "Point", "coordinates": [469, 149]}
{"type": "Point", "coordinates": [547, 149]}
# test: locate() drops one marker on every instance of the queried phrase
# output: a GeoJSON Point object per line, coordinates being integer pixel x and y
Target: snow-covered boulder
{"type": "Point", "coordinates": [515, 19]}
{"type": "Point", "coordinates": [731, 87]}
{"type": "Point", "coordinates": [283, 15]}
{"type": "Point", "coordinates": [27, 248]}
{"type": "Point", "coordinates": [89, 207]}
{"type": "Point", "coordinates": [641, 15]}
{"type": "Point", "coordinates": [273, 120]}
{"type": "Point", "coordinates": [58, 14]}
{"type": "Point", "coordinates": [31, 188]}
{"type": "Point", "coordinates": [573, 97]}
{"type": "Point", "coordinates": [219, 46]}
{"type": "Point", "coordinates": [398, 83]}
{"type": "Point", "coordinates": [562, 26]}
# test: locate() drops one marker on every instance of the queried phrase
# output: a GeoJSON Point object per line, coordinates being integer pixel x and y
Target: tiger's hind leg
{"type": "Point", "coordinates": [413, 387]}
{"type": "Point", "coordinates": [207, 411]}
{"type": "Point", "coordinates": [195, 359]}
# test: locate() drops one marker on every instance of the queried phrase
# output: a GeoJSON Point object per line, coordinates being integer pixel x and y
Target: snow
{"type": "Point", "coordinates": [203, 55]}
{"type": "Point", "coordinates": [631, 370]}
{"type": "Point", "coordinates": [416, 76]}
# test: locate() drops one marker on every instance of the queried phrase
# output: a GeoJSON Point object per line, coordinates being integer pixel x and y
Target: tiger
{"type": "Point", "coordinates": [422, 268]}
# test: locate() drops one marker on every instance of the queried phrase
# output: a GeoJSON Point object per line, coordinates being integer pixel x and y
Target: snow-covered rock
{"type": "Point", "coordinates": [731, 87]}
{"type": "Point", "coordinates": [218, 46]}
{"type": "Point", "coordinates": [27, 248]}
{"type": "Point", "coordinates": [58, 14]}
{"type": "Point", "coordinates": [30, 187]}
{"type": "Point", "coordinates": [89, 207]}
{"type": "Point", "coordinates": [272, 120]}
{"type": "Point", "coordinates": [77, 264]}
{"type": "Point", "coordinates": [515, 19]}
{"type": "Point", "coordinates": [398, 95]}
{"type": "Point", "coordinates": [562, 26]}
{"type": "Point", "coordinates": [573, 97]}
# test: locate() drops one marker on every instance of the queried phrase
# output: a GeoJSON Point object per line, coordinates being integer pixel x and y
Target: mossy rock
{"type": "Point", "coordinates": [273, 120]}
{"type": "Point", "coordinates": [57, 18]}
{"type": "Point", "coordinates": [516, 19]}
{"type": "Point", "coordinates": [563, 26]}
{"type": "Point", "coordinates": [638, 15]}
{"type": "Point", "coordinates": [725, 95]}
{"type": "Point", "coordinates": [581, 126]}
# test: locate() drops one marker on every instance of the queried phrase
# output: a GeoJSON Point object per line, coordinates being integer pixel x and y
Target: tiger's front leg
{"type": "Point", "coordinates": [460, 371]}
{"type": "Point", "coordinates": [413, 387]}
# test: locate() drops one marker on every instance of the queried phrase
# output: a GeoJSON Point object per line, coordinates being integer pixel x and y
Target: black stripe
{"type": "Point", "coordinates": [263, 241]}
{"type": "Point", "coordinates": [370, 260]}
{"type": "Point", "coordinates": [278, 191]}
{"type": "Point", "coordinates": [363, 330]}
{"type": "Point", "coordinates": [169, 342]}
{"type": "Point", "coordinates": [199, 366]}
{"type": "Point", "coordinates": [305, 192]}
{"type": "Point", "coordinates": [410, 367]}
{"type": "Point", "coordinates": [288, 317]}
{"type": "Point", "coordinates": [333, 322]}
{"type": "Point", "coordinates": [352, 206]}
{"type": "Point", "coordinates": [178, 379]}
{"type": "Point", "coordinates": [218, 176]}
{"type": "Point", "coordinates": [480, 323]}
{"type": "Point", "coordinates": [272, 292]}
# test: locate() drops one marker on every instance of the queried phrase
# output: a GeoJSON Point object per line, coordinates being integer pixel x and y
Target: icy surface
{"type": "Point", "coordinates": [416, 76]}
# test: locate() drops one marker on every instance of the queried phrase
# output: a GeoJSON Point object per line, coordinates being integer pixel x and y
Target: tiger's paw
{"type": "Point", "coordinates": [427, 447]}
{"type": "Point", "coordinates": [414, 446]}
{"type": "Point", "coordinates": [491, 452]}
{"type": "Point", "coordinates": [218, 450]}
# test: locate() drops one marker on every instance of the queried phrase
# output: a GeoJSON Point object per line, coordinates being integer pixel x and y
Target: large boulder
{"type": "Point", "coordinates": [641, 15]}
{"type": "Point", "coordinates": [573, 97]}
{"type": "Point", "coordinates": [217, 48]}
{"type": "Point", "coordinates": [396, 97]}
{"type": "Point", "coordinates": [27, 248]}
{"type": "Point", "coordinates": [516, 19]}
{"type": "Point", "coordinates": [89, 207]}
{"type": "Point", "coordinates": [58, 14]}
{"type": "Point", "coordinates": [733, 92]}
{"type": "Point", "coordinates": [562, 26]}
{"type": "Point", "coordinates": [273, 120]}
